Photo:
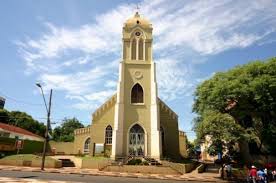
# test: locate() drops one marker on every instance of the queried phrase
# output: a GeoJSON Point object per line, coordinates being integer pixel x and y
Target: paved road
{"type": "Point", "coordinates": [79, 178]}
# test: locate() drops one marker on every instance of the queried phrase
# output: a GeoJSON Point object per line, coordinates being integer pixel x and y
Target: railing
{"type": "Point", "coordinates": [81, 131]}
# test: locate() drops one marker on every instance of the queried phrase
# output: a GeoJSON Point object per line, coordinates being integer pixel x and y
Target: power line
{"type": "Point", "coordinates": [19, 117]}
{"type": "Point", "coordinates": [13, 99]}
{"type": "Point", "coordinates": [19, 101]}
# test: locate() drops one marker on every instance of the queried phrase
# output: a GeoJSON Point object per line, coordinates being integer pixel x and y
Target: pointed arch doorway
{"type": "Point", "coordinates": [136, 146]}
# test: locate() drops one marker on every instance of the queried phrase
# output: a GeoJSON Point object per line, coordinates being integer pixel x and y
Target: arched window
{"type": "Point", "coordinates": [108, 135]}
{"type": "Point", "coordinates": [86, 148]}
{"type": "Point", "coordinates": [133, 49]}
{"type": "Point", "coordinates": [141, 49]}
{"type": "Point", "coordinates": [137, 94]}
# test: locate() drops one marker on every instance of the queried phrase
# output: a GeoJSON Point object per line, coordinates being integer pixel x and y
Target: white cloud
{"type": "Point", "coordinates": [100, 96]}
{"type": "Point", "coordinates": [210, 27]}
{"type": "Point", "coordinates": [85, 106]}
{"type": "Point", "coordinates": [174, 79]}
{"type": "Point", "coordinates": [110, 84]}
{"type": "Point", "coordinates": [76, 60]}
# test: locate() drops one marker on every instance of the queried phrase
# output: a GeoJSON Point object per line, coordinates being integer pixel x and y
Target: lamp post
{"type": "Point", "coordinates": [48, 123]}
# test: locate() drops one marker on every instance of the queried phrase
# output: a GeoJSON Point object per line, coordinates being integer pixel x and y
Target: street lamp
{"type": "Point", "coordinates": [48, 123]}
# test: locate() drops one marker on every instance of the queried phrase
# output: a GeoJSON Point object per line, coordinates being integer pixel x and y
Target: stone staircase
{"type": "Point", "coordinates": [67, 163]}
{"type": "Point", "coordinates": [152, 161]}
{"type": "Point", "coordinates": [212, 168]}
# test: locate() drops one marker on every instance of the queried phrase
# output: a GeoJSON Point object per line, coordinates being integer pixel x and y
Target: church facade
{"type": "Point", "coordinates": [134, 121]}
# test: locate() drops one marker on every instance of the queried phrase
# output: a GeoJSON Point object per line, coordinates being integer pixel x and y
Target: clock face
{"type": "Point", "coordinates": [137, 33]}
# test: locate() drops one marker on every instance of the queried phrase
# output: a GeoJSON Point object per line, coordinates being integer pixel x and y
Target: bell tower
{"type": "Point", "coordinates": [137, 39]}
{"type": "Point", "coordinates": [136, 121]}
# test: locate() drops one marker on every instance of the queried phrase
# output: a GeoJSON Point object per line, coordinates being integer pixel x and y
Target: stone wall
{"type": "Point", "coordinates": [62, 147]}
{"type": "Point", "coordinates": [142, 169]}
{"type": "Point", "coordinates": [103, 117]}
{"type": "Point", "coordinates": [93, 163]}
{"type": "Point", "coordinates": [86, 162]}
{"type": "Point", "coordinates": [81, 135]}
{"type": "Point", "coordinates": [183, 144]}
{"type": "Point", "coordinates": [169, 123]}
{"type": "Point", "coordinates": [31, 163]}
{"type": "Point", "coordinates": [179, 167]}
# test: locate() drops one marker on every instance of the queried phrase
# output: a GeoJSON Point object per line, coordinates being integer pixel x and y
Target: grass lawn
{"type": "Point", "coordinates": [26, 157]}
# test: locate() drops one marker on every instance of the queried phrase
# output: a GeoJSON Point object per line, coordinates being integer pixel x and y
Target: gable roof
{"type": "Point", "coordinates": [112, 100]}
{"type": "Point", "coordinates": [16, 129]}
{"type": "Point", "coordinates": [167, 108]}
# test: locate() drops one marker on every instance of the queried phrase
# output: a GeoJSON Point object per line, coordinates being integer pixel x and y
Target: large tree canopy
{"type": "Point", "coordinates": [65, 132]}
{"type": "Point", "coordinates": [247, 94]}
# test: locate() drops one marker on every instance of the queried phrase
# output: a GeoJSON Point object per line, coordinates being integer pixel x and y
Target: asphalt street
{"type": "Point", "coordinates": [80, 178]}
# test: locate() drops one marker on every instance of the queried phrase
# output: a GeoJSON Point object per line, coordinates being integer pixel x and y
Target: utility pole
{"type": "Point", "coordinates": [48, 109]}
{"type": "Point", "coordinates": [46, 132]}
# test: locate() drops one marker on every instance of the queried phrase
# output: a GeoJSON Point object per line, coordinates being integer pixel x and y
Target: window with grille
{"type": "Point", "coordinates": [136, 141]}
{"type": "Point", "coordinates": [108, 135]}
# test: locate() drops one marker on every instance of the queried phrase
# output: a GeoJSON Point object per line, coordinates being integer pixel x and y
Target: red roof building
{"type": "Point", "coordinates": [11, 131]}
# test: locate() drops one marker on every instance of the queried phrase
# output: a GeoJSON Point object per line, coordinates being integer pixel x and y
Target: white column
{"type": "Point", "coordinates": [117, 135]}
{"type": "Point", "coordinates": [155, 120]}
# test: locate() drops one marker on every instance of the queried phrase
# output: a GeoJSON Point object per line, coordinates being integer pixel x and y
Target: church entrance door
{"type": "Point", "coordinates": [136, 141]}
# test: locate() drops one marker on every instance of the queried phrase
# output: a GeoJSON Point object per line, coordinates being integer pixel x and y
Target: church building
{"type": "Point", "coordinates": [134, 121]}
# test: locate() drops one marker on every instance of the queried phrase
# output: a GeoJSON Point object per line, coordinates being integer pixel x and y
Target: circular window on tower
{"type": "Point", "coordinates": [137, 33]}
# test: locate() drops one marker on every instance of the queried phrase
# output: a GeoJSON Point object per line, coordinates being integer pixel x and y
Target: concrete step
{"type": "Point", "coordinates": [67, 163]}
{"type": "Point", "coordinates": [152, 161]}
{"type": "Point", "coordinates": [212, 168]}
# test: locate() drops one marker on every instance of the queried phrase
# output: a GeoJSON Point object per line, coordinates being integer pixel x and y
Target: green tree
{"type": "Point", "coordinates": [223, 131]}
{"type": "Point", "coordinates": [4, 116]}
{"type": "Point", "coordinates": [65, 132]}
{"type": "Point", "coordinates": [191, 149]}
{"type": "Point", "coordinates": [25, 121]}
{"type": "Point", "coordinates": [246, 93]}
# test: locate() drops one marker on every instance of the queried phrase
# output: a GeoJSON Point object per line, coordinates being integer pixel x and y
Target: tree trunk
{"type": "Point", "coordinates": [260, 146]}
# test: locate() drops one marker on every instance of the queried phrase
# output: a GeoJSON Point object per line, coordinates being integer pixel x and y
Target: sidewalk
{"type": "Point", "coordinates": [17, 180]}
{"type": "Point", "coordinates": [203, 177]}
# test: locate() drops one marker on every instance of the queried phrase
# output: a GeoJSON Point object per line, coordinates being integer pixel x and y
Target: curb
{"type": "Point", "coordinates": [119, 174]}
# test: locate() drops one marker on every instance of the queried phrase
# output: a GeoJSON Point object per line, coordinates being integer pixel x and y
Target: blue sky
{"type": "Point", "coordinates": [74, 47]}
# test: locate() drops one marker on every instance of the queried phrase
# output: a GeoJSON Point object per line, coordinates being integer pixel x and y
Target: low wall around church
{"type": "Point", "coordinates": [182, 144]}
{"type": "Point", "coordinates": [62, 148]}
{"type": "Point", "coordinates": [142, 169]}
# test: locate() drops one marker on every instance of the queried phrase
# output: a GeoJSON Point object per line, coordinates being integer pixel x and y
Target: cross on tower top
{"type": "Point", "coordinates": [137, 7]}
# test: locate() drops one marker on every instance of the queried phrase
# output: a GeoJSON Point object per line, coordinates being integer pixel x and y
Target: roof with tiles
{"type": "Point", "coordinates": [16, 129]}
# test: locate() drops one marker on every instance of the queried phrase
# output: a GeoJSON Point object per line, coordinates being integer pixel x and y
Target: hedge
{"type": "Point", "coordinates": [30, 146]}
